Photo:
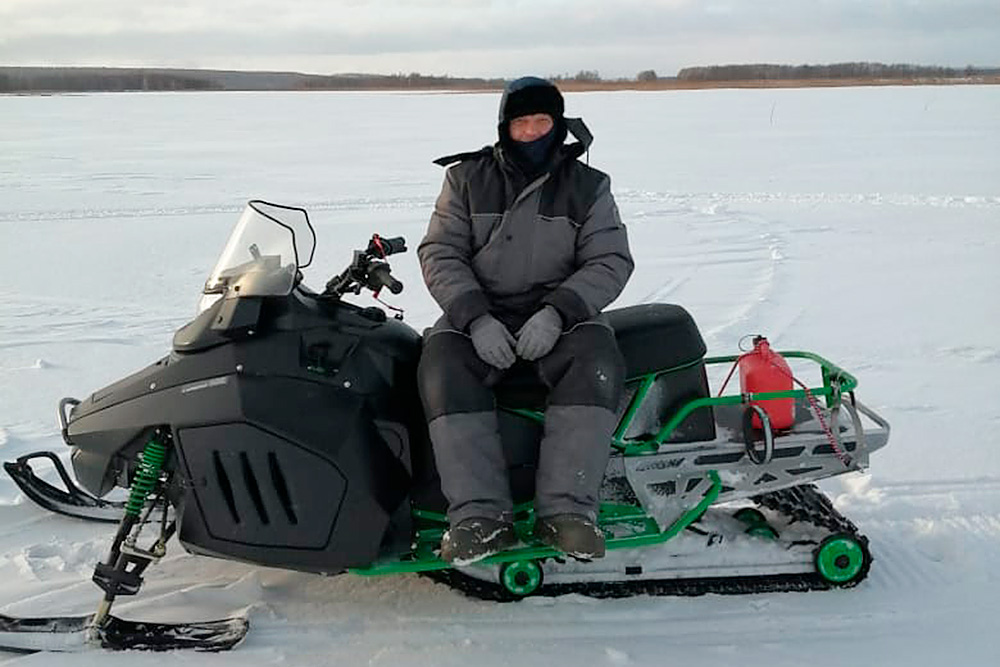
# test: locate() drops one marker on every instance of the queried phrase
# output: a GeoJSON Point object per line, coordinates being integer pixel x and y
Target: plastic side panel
{"type": "Point", "coordinates": [302, 479]}
{"type": "Point", "coordinates": [252, 487]}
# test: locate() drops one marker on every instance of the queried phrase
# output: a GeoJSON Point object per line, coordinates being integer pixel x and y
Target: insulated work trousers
{"type": "Point", "coordinates": [584, 379]}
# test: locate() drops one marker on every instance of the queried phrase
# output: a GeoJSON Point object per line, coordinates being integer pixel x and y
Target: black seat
{"type": "Point", "coordinates": [659, 337]}
{"type": "Point", "coordinates": [656, 337]}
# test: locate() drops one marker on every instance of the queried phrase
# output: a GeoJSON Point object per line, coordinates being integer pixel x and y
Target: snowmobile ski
{"type": "Point", "coordinates": [76, 633]}
{"type": "Point", "coordinates": [73, 501]}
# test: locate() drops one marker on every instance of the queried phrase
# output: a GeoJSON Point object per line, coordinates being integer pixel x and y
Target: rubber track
{"type": "Point", "coordinates": [801, 503]}
{"type": "Point", "coordinates": [484, 590]}
{"type": "Point", "coordinates": [807, 503]}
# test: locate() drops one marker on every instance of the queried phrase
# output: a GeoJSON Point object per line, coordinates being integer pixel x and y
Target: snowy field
{"type": "Point", "coordinates": [863, 224]}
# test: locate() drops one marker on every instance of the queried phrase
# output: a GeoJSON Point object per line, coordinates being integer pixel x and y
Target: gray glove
{"type": "Point", "coordinates": [539, 334]}
{"type": "Point", "coordinates": [493, 343]}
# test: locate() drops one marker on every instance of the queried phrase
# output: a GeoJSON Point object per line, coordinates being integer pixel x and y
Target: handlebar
{"type": "Point", "coordinates": [367, 270]}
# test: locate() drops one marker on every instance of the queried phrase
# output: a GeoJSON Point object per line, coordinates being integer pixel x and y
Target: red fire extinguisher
{"type": "Point", "coordinates": [764, 370]}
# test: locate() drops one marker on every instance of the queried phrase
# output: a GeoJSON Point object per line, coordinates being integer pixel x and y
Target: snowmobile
{"type": "Point", "coordinates": [284, 429]}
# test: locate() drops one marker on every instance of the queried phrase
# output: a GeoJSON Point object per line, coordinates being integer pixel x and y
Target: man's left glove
{"type": "Point", "coordinates": [539, 334]}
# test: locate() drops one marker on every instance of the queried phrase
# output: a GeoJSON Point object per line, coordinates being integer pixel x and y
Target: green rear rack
{"type": "Point", "coordinates": [836, 382]}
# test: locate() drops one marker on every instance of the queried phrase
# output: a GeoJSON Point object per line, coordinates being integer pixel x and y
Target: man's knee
{"type": "Point", "coordinates": [450, 377]}
{"type": "Point", "coordinates": [585, 368]}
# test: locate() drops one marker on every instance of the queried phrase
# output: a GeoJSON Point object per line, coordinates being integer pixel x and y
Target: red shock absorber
{"type": "Point", "coordinates": [763, 370]}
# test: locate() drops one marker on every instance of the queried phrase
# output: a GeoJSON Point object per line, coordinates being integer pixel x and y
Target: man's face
{"type": "Point", "coordinates": [530, 127]}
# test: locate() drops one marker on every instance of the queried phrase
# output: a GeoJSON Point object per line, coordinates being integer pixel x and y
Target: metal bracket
{"type": "Point", "coordinates": [765, 421]}
{"type": "Point", "coordinates": [64, 418]}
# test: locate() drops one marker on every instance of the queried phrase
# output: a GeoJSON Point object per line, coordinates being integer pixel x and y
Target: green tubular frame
{"type": "Point", "coordinates": [432, 525]}
{"type": "Point", "coordinates": [646, 533]}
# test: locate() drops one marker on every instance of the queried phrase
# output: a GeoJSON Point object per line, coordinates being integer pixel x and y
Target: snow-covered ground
{"type": "Point", "coordinates": [863, 224]}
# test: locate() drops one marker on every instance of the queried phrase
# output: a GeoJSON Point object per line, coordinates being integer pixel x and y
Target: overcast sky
{"type": "Point", "coordinates": [495, 37]}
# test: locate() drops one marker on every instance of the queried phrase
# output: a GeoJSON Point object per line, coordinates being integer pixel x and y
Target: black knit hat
{"type": "Point", "coordinates": [529, 95]}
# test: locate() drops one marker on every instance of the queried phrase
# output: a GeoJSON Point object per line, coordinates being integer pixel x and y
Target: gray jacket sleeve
{"type": "Point", "coordinates": [603, 260]}
{"type": "Point", "coordinates": [445, 255]}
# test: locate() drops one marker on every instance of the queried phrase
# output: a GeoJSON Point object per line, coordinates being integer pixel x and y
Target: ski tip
{"type": "Point", "coordinates": [212, 636]}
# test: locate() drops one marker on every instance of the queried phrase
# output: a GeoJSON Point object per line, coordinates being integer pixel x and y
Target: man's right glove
{"type": "Point", "coordinates": [493, 343]}
{"type": "Point", "coordinates": [539, 334]}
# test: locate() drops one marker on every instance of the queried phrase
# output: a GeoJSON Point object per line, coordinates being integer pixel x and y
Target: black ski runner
{"type": "Point", "coordinates": [75, 634]}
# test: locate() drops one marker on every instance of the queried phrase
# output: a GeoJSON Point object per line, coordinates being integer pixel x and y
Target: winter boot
{"type": "Point", "coordinates": [573, 534]}
{"type": "Point", "coordinates": [476, 538]}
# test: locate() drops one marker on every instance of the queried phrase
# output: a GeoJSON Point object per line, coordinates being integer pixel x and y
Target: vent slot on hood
{"type": "Point", "coordinates": [253, 489]}
{"type": "Point", "coordinates": [281, 488]}
{"type": "Point", "coordinates": [225, 485]}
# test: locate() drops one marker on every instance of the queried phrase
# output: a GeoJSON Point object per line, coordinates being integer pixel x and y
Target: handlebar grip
{"type": "Point", "coordinates": [394, 245]}
{"type": "Point", "coordinates": [394, 285]}
{"type": "Point", "coordinates": [380, 275]}
{"type": "Point", "coordinates": [384, 247]}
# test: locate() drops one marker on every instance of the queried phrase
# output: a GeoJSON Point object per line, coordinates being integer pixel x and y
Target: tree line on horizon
{"type": "Point", "coordinates": [98, 79]}
{"type": "Point", "coordinates": [105, 79]}
{"type": "Point", "coordinates": [858, 70]}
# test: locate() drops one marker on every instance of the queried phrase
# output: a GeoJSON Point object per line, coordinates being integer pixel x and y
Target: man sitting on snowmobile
{"type": "Point", "coordinates": [523, 250]}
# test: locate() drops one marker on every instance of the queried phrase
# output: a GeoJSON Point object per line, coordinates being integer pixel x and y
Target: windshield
{"type": "Point", "coordinates": [268, 246]}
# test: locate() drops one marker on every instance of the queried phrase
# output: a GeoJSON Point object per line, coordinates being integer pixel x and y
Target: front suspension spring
{"type": "Point", "coordinates": [146, 478]}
